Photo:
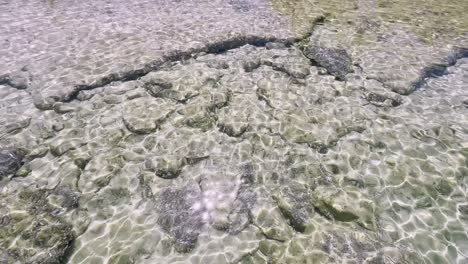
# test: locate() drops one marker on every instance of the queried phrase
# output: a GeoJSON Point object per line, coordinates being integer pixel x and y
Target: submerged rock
{"type": "Point", "coordinates": [19, 80]}
{"type": "Point", "coordinates": [383, 100]}
{"type": "Point", "coordinates": [145, 115]}
{"type": "Point", "coordinates": [167, 167]}
{"type": "Point", "coordinates": [236, 215]}
{"type": "Point", "coordinates": [345, 206]}
{"type": "Point", "coordinates": [47, 239]}
{"type": "Point", "coordinates": [336, 61]}
{"type": "Point", "coordinates": [62, 145]}
{"type": "Point", "coordinates": [13, 123]}
{"type": "Point", "coordinates": [159, 88]}
{"type": "Point", "coordinates": [294, 202]}
{"type": "Point", "coordinates": [198, 117]}
{"type": "Point", "coordinates": [31, 231]}
{"type": "Point", "coordinates": [272, 224]}
{"type": "Point", "coordinates": [180, 217]}
{"type": "Point", "coordinates": [34, 239]}
{"type": "Point", "coordinates": [10, 161]}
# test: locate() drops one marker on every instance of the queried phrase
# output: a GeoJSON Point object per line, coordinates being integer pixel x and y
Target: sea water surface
{"type": "Point", "coordinates": [233, 131]}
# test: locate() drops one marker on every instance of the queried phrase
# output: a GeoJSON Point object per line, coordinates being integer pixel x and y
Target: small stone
{"type": "Point", "coordinates": [38, 152]}
{"type": "Point", "coordinates": [23, 172]}
{"type": "Point", "coordinates": [19, 80]}
{"type": "Point", "coordinates": [463, 209]}
{"type": "Point", "coordinates": [43, 103]}
{"type": "Point", "coordinates": [166, 167]}
{"type": "Point", "coordinates": [62, 108]}
{"type": "Point", "coordinates": [10, 161]}
{"type": "Point", "coordinates": [159, 87]}
{"type": "Point", "coordinates": [80, 159]}
{"type": "Point", "coordinates": [84, 95]}
{"type": "Point", "coordinates": [383, 100]}
{"type": "Point", "coordinates": [58, 127]}
{"type": "Point", "coordinates": [11, 124]}
{"type": "Point", "coordinates": [337, 61]}
{"type": "Point", "coordinates": [112, 99]}
{"type": "Point", "coordinates": [198, 117]}
{"type": "Point", "coordinates": [234, 129]}
{"type": "Point", "coordinates": [137, 93]}
{"type": "Point", "coordinates": [250, 65]}
{"type": "Point", "coordinates": [61, 146]}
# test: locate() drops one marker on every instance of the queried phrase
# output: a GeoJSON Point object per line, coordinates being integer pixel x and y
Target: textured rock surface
{"type": "Point", "coordinates": [31, 228]}
{"type": "Point", "coordinates": [10, 161]}
{"type": "Point", "coordinates": [180, 216]}
{"type": "Point", "coordinates": [270, 132]}
{"type": "Point", "coordinates": [336, 61]}
{"type": "Point", "coordinates": [67, 46]}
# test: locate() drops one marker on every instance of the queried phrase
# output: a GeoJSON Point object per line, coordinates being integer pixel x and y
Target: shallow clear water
{"type": "Point", "coordinates": [233, 131]}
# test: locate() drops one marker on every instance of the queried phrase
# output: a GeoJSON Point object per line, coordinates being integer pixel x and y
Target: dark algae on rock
{"type": "Point", "coordinates": [179, 218]}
